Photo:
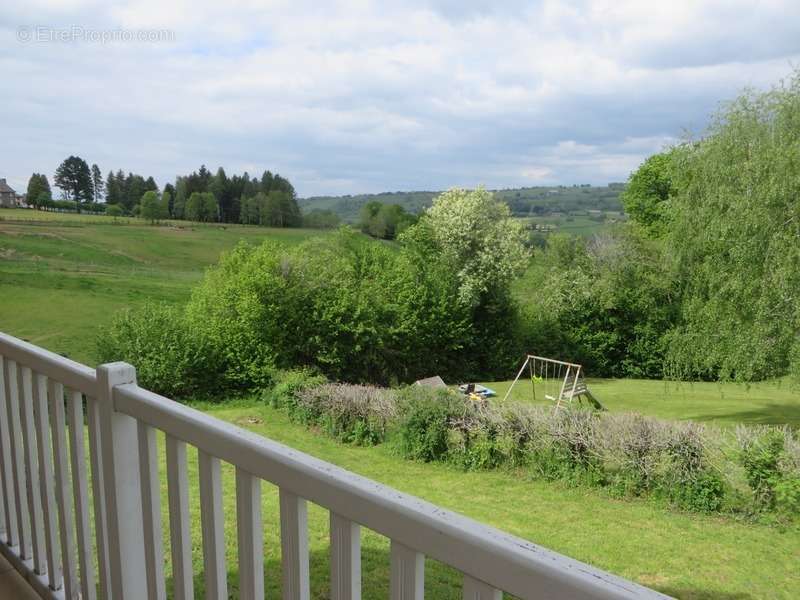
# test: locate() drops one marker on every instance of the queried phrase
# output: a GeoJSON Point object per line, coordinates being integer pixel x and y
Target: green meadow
{"type": "Point", "coordinates": [62, 276]}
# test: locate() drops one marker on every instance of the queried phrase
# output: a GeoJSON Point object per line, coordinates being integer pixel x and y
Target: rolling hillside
{"type": "Point", "coordinates": [544, 201]}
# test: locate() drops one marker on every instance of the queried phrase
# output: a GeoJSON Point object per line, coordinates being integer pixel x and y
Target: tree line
{"type": "Point", "coordinates": [269, 200]}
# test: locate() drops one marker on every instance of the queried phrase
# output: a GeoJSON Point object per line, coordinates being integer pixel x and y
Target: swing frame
{"type": "Point", "coordinates": [572, 370]}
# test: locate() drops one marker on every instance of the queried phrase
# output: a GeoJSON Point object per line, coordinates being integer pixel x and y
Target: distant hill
{"type": "Point", "coordinates": [540, 201]}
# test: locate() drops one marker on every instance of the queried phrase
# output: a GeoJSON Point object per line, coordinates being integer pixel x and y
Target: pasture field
{"type": "Point", "coordinates": [63, 276]}
{"type": "Point", "coordinates": [685, 555]}
{"type": "Point", "coordinates": [581, 225]}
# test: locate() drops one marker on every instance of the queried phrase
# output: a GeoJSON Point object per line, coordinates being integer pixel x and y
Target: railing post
{"type": "Point", "coordinates": [122, 487]}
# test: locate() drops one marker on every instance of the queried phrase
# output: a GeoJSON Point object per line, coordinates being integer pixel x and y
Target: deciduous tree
{"type": "Point", "coordinates": [647, 193]}
{"type": "Point", "coordinates": [479, 237]}
{"type": "Point", "coordinates": [75, 180]}
{"type": "Point", "coordinates": [150, 207]}
{"type": "Point", "coordinates": [38, 193]}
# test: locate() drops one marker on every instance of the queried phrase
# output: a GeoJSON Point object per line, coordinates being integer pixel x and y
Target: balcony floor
{"type": "Point", "coordinates": [12, 585]}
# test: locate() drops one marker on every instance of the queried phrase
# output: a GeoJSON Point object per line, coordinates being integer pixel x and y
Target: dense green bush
{"type": "Point", "coordinates": [424, 423]}
{"type": "Point", "coordinates": [355, 310]}
{"type": "Point", "coordinates": [170, 357]}
{"type": "Point", "coordinates": [769, 457]}
{"type": "Point", "coordinates": [605, 302]}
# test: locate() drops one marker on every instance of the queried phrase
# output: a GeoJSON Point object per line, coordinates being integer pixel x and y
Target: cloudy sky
{"type": "Point", "coordinates": [358, 96]}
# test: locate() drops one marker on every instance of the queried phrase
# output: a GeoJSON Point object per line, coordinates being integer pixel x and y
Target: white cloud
{"type": "Point", "coordinates": [355, 95]}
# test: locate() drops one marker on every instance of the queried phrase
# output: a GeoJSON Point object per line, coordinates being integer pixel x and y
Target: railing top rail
{"type": "Point", "coordinates": [502, 560]}
{"type": "Point", "coordinates": [72, 374]}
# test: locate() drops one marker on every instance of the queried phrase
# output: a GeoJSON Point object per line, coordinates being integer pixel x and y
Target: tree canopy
{"type": "Point", "coordinates": [202, 206]}
{"type": "Point", "coordinates": [75, 180]}
{"type": "Point", "coordinates": [384, 221]}
{"type": "Point", "coordinates": [38, 192]}
{"type": "Point", "coordinates": [98, 185]}
{"type": "Point", "coordinates": [648, 190]}
{"type": "Point", "coordinates": [478, 236]}
{"type": "Point", "coordinates": [734, 239]}
{"type": "Point", "coordinates": [153, 208]}
{"type": "Point", "coordinates": [354, 309]}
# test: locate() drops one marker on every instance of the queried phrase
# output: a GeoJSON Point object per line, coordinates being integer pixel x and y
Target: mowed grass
{"type": "Point", "coordinates": [764, 403]}
{"type": "Point", "coordinates": [63, 276]}
{"type": "Point", "coordinates": [684, 555]}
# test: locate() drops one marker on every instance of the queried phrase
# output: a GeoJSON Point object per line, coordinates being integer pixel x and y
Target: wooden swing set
{"type": "Point", "coordinates": [558, 381]}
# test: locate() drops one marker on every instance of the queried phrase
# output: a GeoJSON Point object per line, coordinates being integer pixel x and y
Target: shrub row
{"type": "Point", "coordinates": [752, 470]}
{"type": "Point", "coordinates": [355, 414]}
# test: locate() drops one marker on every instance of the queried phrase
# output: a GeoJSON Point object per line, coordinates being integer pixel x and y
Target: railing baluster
{"type": "Point", "coordinates": [63, 498]}
{"type": "Point", "coordinates": [80, 493]}
{"type": "Point", "coordinates": [345, 559]}
{"type": "Point", "coordinates": [294, 546]}
{"type": "Point", "coordinates": [31, 469]}
{"type": "Point", "coordinates": [213, 526]}
{"type": "Point", "coordinates": [250, 534]}
{"type": "Point", "coordinates": [10, 516]}
{"type": "Point", "coordinates": [151, 512]}
{"type": "Point", "coordinates": [179, 526]}
{"type": "Point", "coordinates": [3, 454]}
{"type": "Point", "coordinates": [20, 485]}
{"type": "Point", "coordinates": [47, 494]}
{"type": "Point", "coordinates": [407, 573]}
{"type": "Point", "coordinates": [98, 492]}
{"type": "Point", "coordinates": [478, 590]}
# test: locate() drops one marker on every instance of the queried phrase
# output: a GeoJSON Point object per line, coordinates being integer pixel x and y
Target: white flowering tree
{"type": "Point", "coordinates": [478, 235]}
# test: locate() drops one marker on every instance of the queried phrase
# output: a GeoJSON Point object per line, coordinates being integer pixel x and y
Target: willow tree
{"type": "Point", "coordinates": [734, 233]}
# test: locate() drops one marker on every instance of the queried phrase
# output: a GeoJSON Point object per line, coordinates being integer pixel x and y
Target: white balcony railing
{"type": "Point", "coordinates": [47, 535]}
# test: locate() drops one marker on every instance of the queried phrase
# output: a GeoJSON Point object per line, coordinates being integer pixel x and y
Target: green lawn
{"type": "Point", "coordinates": [62, 276]}
{"type": "Point", "coordinates": [685, 555]}
{"type": "Point", "coordinates": [770, 402]}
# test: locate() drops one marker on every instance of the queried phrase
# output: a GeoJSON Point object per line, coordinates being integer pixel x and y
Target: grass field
{"type": "Point", "coordinates": [577, 224]}
{"type": "Point", "coordinates": [687, 556]}
{"type": "Point", "coordinates": [62, 276]}
{"type": "Point", "coordinates": [763, 403]}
